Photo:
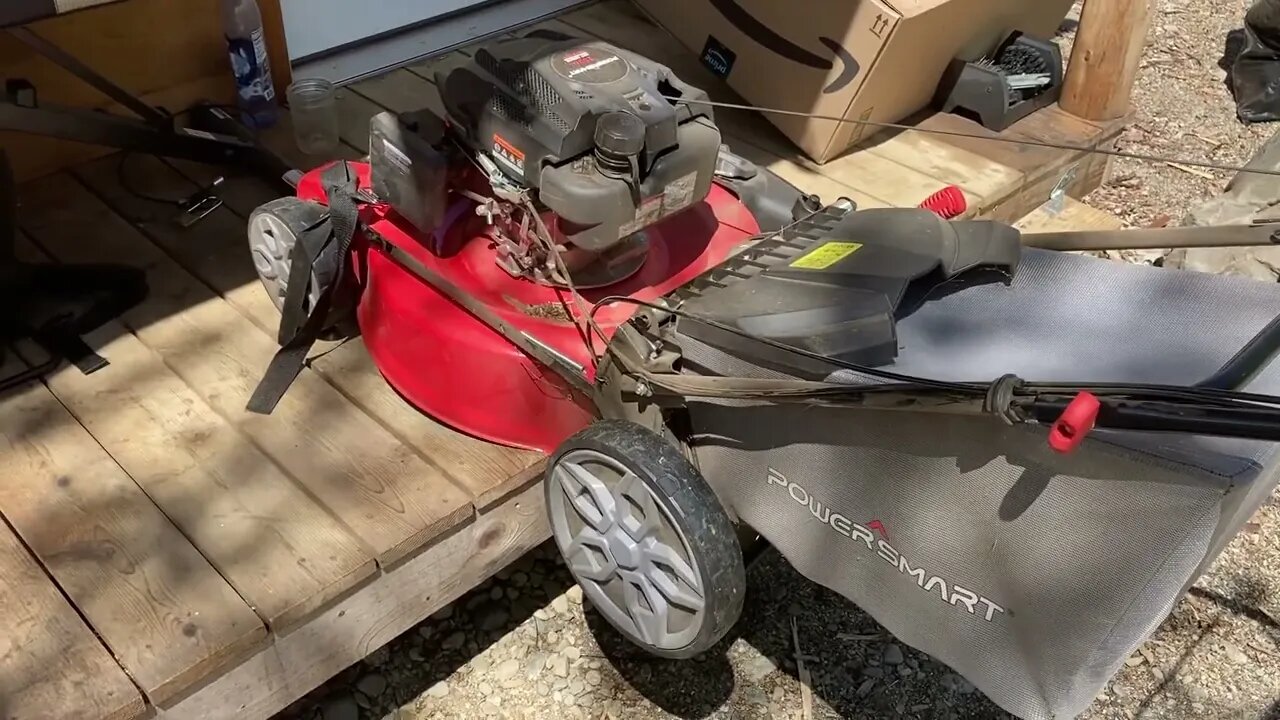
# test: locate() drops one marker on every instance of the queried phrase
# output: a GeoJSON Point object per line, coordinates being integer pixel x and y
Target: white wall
{"type": "Point", "coordinates": [314, 26]}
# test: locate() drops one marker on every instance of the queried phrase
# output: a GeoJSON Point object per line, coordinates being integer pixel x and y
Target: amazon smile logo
{"type": "Point", "coordinates": [720, 59]}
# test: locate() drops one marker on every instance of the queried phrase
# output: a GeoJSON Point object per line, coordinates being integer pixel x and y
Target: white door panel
{"type": "Point", "coordinates": [315, 26]}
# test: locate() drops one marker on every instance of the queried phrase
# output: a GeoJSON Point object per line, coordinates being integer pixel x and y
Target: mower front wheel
{"type": "Point", "coordinates": [646, 538]}
{"type": "Point", "coordinates": [274, 229]}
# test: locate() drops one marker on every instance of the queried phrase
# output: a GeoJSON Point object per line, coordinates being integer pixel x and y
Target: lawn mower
{"type": "Point", "coordinates": [569, 259]}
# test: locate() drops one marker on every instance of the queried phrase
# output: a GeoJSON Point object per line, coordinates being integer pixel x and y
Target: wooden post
{"type": "Point", "coordinates": [1104, 61]}
{"type": "Point", "coordinates": [277, 46]}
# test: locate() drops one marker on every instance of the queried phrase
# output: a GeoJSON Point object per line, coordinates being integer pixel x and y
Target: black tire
{"type": "Point", "coordinates": [286, 218]}
{"type": "Point", "coordinates": [672, 581]}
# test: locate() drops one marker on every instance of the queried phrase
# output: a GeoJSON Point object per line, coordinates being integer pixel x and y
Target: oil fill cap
{"type": "Point", "coordinates": [620, 134]}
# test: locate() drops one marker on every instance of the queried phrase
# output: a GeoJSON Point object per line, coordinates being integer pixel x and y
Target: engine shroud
{"type": "Point", "coordinates": [546, 112]}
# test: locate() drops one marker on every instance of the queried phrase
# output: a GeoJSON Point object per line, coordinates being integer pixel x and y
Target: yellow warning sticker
{"type": "Point", "coordinates": [826, 255]}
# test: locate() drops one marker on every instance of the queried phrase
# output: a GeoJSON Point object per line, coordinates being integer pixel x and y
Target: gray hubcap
{"type": "Point", "coordinates": [625, 550]}
{"type": "Point", "coordinates": [271, 242]}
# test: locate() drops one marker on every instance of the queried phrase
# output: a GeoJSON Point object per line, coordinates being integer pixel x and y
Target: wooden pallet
{"type": "Point", "coordinates": [164, 551]}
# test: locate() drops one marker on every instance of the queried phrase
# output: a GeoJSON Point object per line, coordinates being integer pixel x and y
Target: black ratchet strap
{"type": "Point", "coordinates": [316, 267]}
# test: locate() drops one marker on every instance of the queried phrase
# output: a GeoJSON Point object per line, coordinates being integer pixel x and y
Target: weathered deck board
{"type": "Point", "coordinates": [381, 491]}
{"type": "Point", "coordinates": [165, 613]}
{"type": "Point", "coordinates": [280, 550]}
{"type": "Point", "coordinates": [1074, 215]}
{"type": "Point", "coordinates": [354, 111]}
{"type": "Point", "coordinates": [53, 666]}
{"type": "Point", "coordinates": [356, 626]}
{"type": "Point", "coordinates": [399, 90]}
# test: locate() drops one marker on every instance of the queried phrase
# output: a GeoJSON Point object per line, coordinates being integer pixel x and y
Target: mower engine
{"type": "Point", "coordinates": [563, 171]}
{"type": "Point", "coordinates": [569, 141]}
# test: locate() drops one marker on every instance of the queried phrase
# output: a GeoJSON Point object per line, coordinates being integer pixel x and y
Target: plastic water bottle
{"type": "Point", "coordinates": [247, 44]}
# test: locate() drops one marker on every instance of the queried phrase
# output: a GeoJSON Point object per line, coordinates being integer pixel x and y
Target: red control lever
{"type": "Point", "coordinates": [1075, 423]}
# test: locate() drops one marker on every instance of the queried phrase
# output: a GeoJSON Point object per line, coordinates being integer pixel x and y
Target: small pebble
{"type": "Point", "coordinates": [488, 709]}
{"type": "Point", "coordinates": [372, 684]}
{"type": "Point", "coordinates": [865, 688]}
{"type": "Point", "coordinates": [507, 669]}
{"type": "Point", "coordinates": [443, 613]}
{"type": "Point", "coordinates": [439, 690]}
{"type": "Point", "coordinates": [560, 665]}
{"type": "Point", "coordinates": [573, 653]}
{"type": "Point", "coordinates": [454, 641]}
{"type": "Point", "coordinates": [873, 672]}
{"type": "Point", "coordinates": [534, 664]}
{"type": "Point", "coordinates": [756, 667]}
{"type": "Point", "coordinates": [426, 631]}
{"type": "Point", "coordinates": [513, 594]}
{"type": "Point", "coordinates": [341, 708]}
{"type": "Point", "coordinates": [594, 677]}
{"type": "Point", "coordinates": [484, 689]}
{"type": "Point", "coordinates": [379, 656]}
{"type": "Point", "coordinates": [520, 579]}
{"type": "Point", "coordinates": [560, 605]}
{"type": "Point", "coordinates": [956, 683]}
{"type": "Point", "coordinates": [576, 686]}
{"type": "Point", "coordinates": [575, 594]}
{"type": "Point", "coordinates": [541, 614]}
{"type": "Point", "coordinates": [544, 689]}
{"type": "Point", "coordinates": [480, 664]}
{"type": "Point", "coordinates": [1234, 653]}
{"type": "Point", "coordinates": [893, 654]}
{"type": "Point", "coordinates": [496, 593]}
{"type": "Point", "coordinates": [494, 618]}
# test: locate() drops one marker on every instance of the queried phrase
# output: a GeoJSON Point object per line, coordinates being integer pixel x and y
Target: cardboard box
{"type": "Point", "coordinates": [877, 60]}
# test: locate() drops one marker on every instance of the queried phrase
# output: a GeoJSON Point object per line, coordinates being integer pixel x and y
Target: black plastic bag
{"type": "Point", "coordinates": [1255, 74]}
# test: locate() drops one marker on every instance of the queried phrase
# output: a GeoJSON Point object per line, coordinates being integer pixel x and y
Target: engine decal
{"type": "Point", "coordinates": [826, 255]}
{"type": "Point", "coordinates": [678, 194]}
{"type": "Point", "coordinates": [508, 154]}
{"type": "Point", "coordinates": [649, 212]}
{"type": "Point", "coordinates": [591, 66]}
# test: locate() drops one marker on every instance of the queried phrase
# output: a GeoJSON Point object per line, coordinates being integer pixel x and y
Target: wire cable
{"type": "Point", "coordinates": [976, 136]}
{"type": "Point", "coordinates": [1192, 398]}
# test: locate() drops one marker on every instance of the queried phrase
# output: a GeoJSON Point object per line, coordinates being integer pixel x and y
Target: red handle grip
{"type": "Point", "coordinates": [1075, 423]}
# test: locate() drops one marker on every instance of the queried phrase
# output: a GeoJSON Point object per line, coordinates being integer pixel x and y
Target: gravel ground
{"type": "Point", "coordinates": [1183, 109]}
{"type": "Point", "coordinates": [524, 646]}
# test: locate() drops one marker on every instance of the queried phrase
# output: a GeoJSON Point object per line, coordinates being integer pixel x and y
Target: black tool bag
{"type": "Point", "coordinates": [1255, 73]}
{"type": "Point", "coordinates": [317, 267]}
{"type": "Point", "coordinates": [55, 304]}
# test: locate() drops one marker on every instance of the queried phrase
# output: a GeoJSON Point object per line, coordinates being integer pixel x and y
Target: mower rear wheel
{"type": "Point", "coordinates": [646, 538]}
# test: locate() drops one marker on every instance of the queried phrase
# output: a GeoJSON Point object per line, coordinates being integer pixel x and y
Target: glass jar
{"type": "Point", "coordinates": [313, 107]}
